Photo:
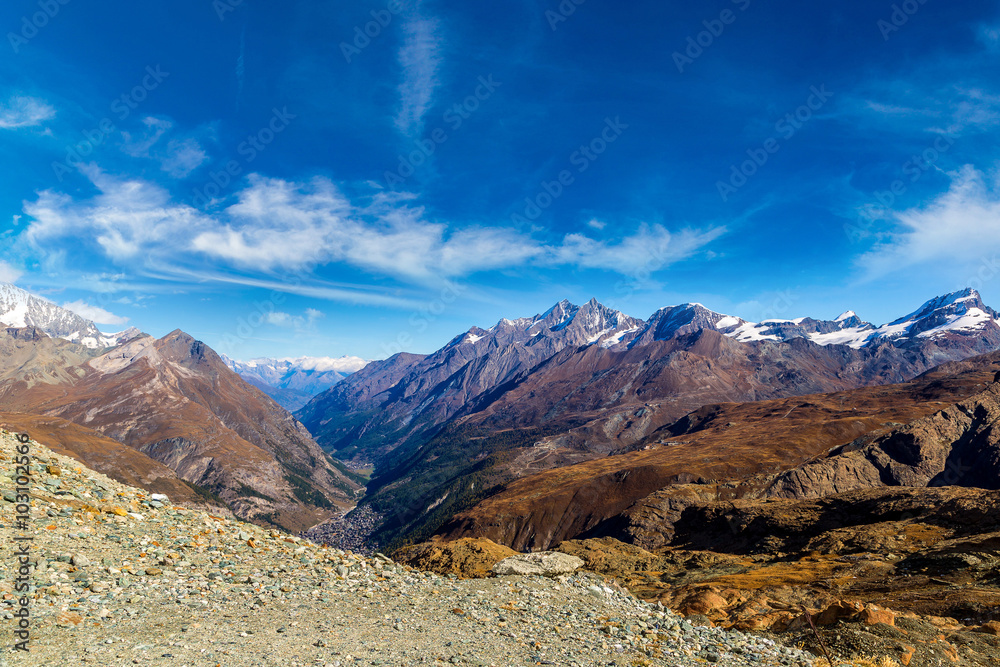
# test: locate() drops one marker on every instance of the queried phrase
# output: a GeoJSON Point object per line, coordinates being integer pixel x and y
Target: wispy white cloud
{"type": "Point", "coordinates": [277, 226]}
{"type": "Point", "coordinates": [140, 146]}
{"type": "Point", "coordinates": [952, 233]}
{"type": "Point", "coordinates": [298, 322]}
{"type": "Point", "coordinates": [651, 246]}
{"type": "Point", "coordinates": [128, 218]}
{"type": "Point", "coordinates": [94, 313]}
{"type": "Point", "coordinates": [989, 36]}
{"type": "Point", "coordinates": [182, 157]}
{"type": "Point", "coordinates": [345, 364]}
{"type": "Point", "coordinates": [178, 158]}
{"type": "Point", "coordinates": [8, 273]}
{"type": "Point", "coordinates": [419, 57]}
{"type": "Point", "coordinates": [23, 111]}
{"type": "Point", "coordinates": [953, 108]}
{"type": "Point", "coordinates": [280, 224]}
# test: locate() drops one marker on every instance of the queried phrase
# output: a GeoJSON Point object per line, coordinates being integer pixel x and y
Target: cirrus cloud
{"type": "Point", "coordinates": [274, 225]}
{"type": "Point", "coordinates": [24, 111]}
{"type": "Point", "coordinates": [956, 229]}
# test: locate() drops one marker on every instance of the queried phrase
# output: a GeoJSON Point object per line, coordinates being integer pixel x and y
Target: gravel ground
{"type": "Point", "coordinates": [121, 578]}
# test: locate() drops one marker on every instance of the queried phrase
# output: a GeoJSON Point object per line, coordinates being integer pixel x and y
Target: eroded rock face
{"type": "Point", "coordinates": [958, 446]}
{"type": "Point", "coordinates": [544, 563]}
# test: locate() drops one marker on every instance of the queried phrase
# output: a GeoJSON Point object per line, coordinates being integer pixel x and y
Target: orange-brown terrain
{"type": "Point", "coordinates": [876, 510]}
{"type": "Point", "coordinates": [103, 455]}
{"type": "Point", "coordinates": [720, 451]}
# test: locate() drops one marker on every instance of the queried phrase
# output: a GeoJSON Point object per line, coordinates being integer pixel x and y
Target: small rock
{"type": "Point", "coordinates": [68, 619]}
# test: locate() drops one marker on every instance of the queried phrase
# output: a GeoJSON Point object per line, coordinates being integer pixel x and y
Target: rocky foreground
{"type": "Point", "coordinates": [120, 577]}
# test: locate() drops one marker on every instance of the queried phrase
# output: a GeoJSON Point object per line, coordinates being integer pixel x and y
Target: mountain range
{"type": "Point", "coordinates": [167, 414]}
{"type": "Point", "coordinates": [577, 383]}
{"type": "Point", "coordinates": [526, 431]}
{"type": "Point", "coordinates": [293, 382]}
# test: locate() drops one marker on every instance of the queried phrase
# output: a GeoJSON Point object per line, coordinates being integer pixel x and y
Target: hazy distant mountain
{"type": "Point", "coordinates": [19, 308]}
{"type": "Point", "coordinates": [292, 382]}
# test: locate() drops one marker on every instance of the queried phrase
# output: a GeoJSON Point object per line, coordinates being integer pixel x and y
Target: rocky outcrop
{"type": "Point", "coordinates": [466, 558]}
{"type": "Point", "coordinates": [957, 446]}
{"type": "Point", "coordinates": [543, 563]}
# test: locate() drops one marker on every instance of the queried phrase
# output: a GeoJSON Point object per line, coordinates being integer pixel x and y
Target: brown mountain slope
{"type": "Point", "coordinates": [176, 401]}
{"type": "Point", "coordinates": [719, 451]}
{"type": "Point", "coordinates": [103, 455]}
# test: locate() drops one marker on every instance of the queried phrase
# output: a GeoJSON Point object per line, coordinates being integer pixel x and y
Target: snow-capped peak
{"type": "Point", "coordinates": [20, 308]}
{"type": "Point", "coordinates": [961, 311]}
{"type": "Point", "coordinates": [345, 364]}
{"type": "Point", "coordinates": [846, 315]}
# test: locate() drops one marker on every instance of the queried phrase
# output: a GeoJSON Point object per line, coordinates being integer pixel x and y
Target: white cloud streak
{"type": "Point", "coordinates": [953, 232]}
{"type": "Point", "coordinates": [177, 159]}
{"type": "Point", "coordinates": [419, 58]}
{"type": "Point", "coordinates": [8, 273]}
{"type": "Point", "coordinates": [94, 313]}
{"type": "Point", "coordinates": [279, 226]}
{"type": "Point", "coordinates": [22, 111]}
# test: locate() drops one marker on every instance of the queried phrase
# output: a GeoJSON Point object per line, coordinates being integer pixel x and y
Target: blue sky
{"type": "Point", "coordinates": [329, 178]}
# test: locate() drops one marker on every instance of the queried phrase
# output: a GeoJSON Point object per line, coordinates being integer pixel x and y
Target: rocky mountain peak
{"type": "Point", "coordinates": [19, 308]}
{"type": "Point", "coordinates": [959, 313]}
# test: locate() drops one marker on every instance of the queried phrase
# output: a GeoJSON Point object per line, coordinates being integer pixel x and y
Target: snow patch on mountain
{"type": "Point", "coordinates": [20, 308]}
{"type": "Point", "coordinates": [293, 381]}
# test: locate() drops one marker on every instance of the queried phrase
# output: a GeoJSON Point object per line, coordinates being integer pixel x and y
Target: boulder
{"type": "Point", "coordinates": [545, 563]}
{"type": "Point", "coordinates": [872, 615]}
{"type": "Point", "coordinates": [703, 602]}
{"type": "Point", "coordinates": [990, 628]}
{"type": "Point", "coordinates": [467, 557]}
